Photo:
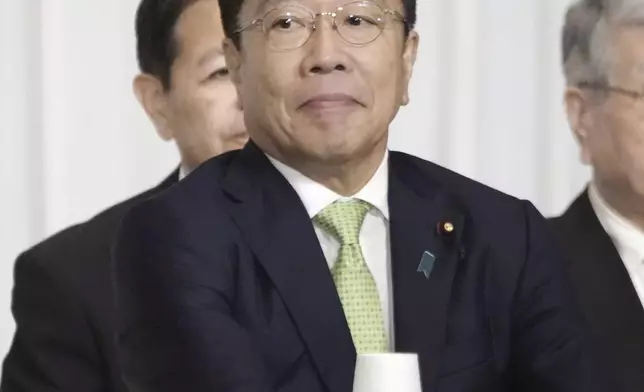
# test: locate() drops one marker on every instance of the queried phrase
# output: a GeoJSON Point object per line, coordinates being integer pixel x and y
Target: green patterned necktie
{"type": "Point", "coordinates": [356, 288]}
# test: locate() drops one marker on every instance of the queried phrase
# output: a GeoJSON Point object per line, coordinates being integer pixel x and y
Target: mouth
{"type": "Point", "coordinates": [330, 102]}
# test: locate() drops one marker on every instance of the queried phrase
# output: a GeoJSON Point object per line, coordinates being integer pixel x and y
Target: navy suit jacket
{"type": "Point", "coordinates": [606, 293]}
{"type": "Point", "coordinates": [222, 286]}
{"type": "Point", "coordinates": [63, 307]}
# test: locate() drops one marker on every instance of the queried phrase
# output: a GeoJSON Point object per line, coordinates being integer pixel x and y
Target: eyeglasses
{"type": "Point", "coordinates": [613, 89]}
{"type": "Point", "coordinates": [291, 26]}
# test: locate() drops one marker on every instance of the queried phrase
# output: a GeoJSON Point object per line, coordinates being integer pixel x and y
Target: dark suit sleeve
{"type": "Point", "coordinates": [54, 345]}
{"type": "Point", "coordinates": [550, 349]}
{"type": "Point", "coordinates": [176, 328]}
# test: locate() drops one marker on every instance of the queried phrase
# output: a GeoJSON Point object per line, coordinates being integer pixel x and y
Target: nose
{"type": "Point", "coordinates": [325, 50]}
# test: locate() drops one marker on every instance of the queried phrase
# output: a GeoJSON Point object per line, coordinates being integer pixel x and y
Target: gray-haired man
{"type": "Point", "coordinates": [603, 230]}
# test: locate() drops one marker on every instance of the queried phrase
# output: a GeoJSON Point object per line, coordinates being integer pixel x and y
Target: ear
{"type": "Point", "coordinates": [151, 95]}
{"type": "Point", "coordinates": [233, 63]}
{"type": "Point", "coordinates": [577, 110]}
{"type": "Point", "coordinates": [409, 59]}
{"type": "Point", "coordinates": [233, 60]}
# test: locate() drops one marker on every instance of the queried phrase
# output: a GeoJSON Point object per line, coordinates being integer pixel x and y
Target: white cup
{"type": "Point", "coordinates": [391, 372]}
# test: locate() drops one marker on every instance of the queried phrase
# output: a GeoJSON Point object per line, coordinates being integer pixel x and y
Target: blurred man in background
{"type": "Point", "coordinates": [63, 294]}
{"type": "Point", "coordinates": [603, 229]}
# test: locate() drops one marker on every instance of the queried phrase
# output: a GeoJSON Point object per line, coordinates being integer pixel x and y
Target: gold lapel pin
{"type": "Point", "coordinates": [445, 228]}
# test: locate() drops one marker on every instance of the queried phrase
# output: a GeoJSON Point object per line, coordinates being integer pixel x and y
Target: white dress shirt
{"type": "Point", "coordinates": [628, 239]}
{"type": "Point", "coordinates": [183, 172]}
{"type": "Point", "coordinates": [374, 235]}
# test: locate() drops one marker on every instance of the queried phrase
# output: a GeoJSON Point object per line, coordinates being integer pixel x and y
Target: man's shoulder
{"type": "Point", "coordinates": [578, 217]}
{"type": "Point", "coordinates": [82, 244]}
{"type": "Point", "coordinates": [580, 231]}
{"type": "Point", "coordinates": [187, 198]}
{"type": "Point", "coordinates": [502, 222]}
{"type": "Point", "coordinates": [470, 192]}
{"type": "Point", "coordinates": [206, 176]}
{"type": "Point", "coordinates": [195, 206]}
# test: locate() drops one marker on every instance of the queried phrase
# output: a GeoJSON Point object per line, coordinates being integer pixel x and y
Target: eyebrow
{"type": "Point", "coordinates": [271, 3]}
{"type": "Point", "coordinates": [210, 55]}
{"type": "Point", "coordinates": [268, 4]}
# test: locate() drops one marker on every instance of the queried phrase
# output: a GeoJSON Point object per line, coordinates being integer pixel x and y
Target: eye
{"type": "Point", "coordinates": [221, 73]}
{"type": "Point", "coordinates": [360, 21]}
{"type": "Point", "coordinates": [354, 20]}
{"type": "Point", "coordinates": [286, 23]}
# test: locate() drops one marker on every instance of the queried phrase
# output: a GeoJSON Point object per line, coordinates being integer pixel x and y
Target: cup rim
{"type": "Point", "coordinates": [397, 354]}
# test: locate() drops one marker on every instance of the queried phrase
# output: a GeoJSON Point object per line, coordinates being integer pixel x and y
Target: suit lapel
{"type": "Point", "coordinates": [421, 303]}
{"type": "Point", "coordinates": [278, 230]}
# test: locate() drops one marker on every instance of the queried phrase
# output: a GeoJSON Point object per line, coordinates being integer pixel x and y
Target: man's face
{"type": "Point", "coordinates": [327, 100]}
{"type": "Point", "coordinates": [613, 140]}
{"type": "Point", "coordinates": [200, 110]}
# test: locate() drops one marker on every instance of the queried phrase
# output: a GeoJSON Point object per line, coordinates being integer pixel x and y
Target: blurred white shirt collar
{"type": "Point", "coordinates": [626, 236]}
{"type": "Point", "coordinates": [183, 172]}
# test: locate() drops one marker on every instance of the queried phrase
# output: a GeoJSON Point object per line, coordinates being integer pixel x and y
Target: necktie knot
{"type": "Point", "coordinates": [343, 220]}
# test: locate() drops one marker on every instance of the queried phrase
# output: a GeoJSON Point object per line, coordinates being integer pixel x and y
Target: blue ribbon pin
{"type": "Point", "coordinates": [426, 264]}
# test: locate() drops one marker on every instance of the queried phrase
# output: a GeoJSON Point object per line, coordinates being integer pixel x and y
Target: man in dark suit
{"type": "Point", "coordinates": [603, 229]}
{"type": "Point", "coordinates": [271, 268]}
{"type": "Point", "coordinates": [62, 299]}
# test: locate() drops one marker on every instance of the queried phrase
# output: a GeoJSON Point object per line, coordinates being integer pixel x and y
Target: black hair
{"type": "Point", "coordinates": [230, 12]}
{"type": "Point", "coordinates": [156, 46]}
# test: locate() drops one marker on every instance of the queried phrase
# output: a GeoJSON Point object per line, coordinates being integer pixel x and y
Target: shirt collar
{"type": "Point", "coordinates": [316, 196]}
{"type": "Point", "coordinates": [183, 172]}
{"type": "Point", "coordinates": [624, 233]}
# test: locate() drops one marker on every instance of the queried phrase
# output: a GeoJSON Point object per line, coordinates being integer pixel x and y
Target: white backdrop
{"type": "Point", "coordinates": [486, 101]}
